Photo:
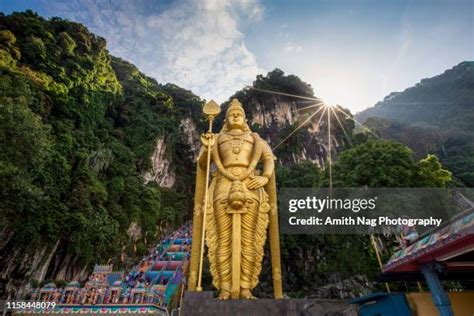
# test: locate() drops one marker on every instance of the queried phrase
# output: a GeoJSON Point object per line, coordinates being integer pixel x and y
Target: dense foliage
{"type": "Point", "coordinates": [329, 259]}
{"type": "Point", "coordinates": [77, 129]}
{"type": "Point", "coordinates": [435, 116]}
{"type": "Point", "coordinates": [378, 163]}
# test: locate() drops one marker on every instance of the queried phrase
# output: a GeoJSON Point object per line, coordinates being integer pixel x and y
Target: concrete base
{"type": "Point", "coordinates": [203, 303]}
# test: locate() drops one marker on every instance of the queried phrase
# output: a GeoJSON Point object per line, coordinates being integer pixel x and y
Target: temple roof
{"type": "Point", "coordinates": [449, 244]}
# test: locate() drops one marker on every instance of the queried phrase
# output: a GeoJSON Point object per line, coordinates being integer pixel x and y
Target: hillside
{"type": "Point", "coordinates": [97, 162]}
{"type": "Point", "coordinates": [434, 116]}
{"type": "Point", "coordinates": [87, 175]}
{"type": "Point", "coordinates": [96, 156]}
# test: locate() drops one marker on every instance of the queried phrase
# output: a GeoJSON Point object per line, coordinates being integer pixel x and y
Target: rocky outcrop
{"type": "Point", "coordinates": [345, 289]}
{"type": "Point", "coordinates": [134, 232]}
{"type": "Point", "coordinates": [190, 136]}
{"type": "Point", "coordinates": [67, 268]}
{"type": "Point", "coordinates": [19, 267]}
{"type": "Point", "coordinates": [279, 117]}
{"type": "Point", "coordinates": [284, 113]}
{"type": "Point", "coordinates": [161, 169]}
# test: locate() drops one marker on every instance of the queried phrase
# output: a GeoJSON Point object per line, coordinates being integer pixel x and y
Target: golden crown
{"type": "Point", "coordinates": [235, 105]}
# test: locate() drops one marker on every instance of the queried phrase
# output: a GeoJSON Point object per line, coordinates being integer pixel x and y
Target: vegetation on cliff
{"type": "Point", "coordinates": [434, 116]}
{"type": "Point", "coordinates": [328, 266]}
{"type": "Point", "coordinates": [77, 129]}
{"type": "Point", "coordinates": [333, 266]}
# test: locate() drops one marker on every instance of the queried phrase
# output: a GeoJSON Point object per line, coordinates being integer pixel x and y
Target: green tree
{"type": "Point", "coordinates": [25, 143]}
{"type": "Point", "coordinates": [77, 130]}
{"type": "Point", "coordinates": [304, 175]}
{"type": "Point", "coordinates": [376, 163]}
{"type": "Point", "coordinates": [430, 173]}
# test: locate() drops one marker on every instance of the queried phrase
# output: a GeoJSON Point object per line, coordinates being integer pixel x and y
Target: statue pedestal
{"type": "Point", "coordinates": [203, 303]}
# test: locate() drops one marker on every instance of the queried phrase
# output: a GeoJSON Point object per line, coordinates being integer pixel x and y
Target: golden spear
{"type": "Point", "coordinates": [211, 109]}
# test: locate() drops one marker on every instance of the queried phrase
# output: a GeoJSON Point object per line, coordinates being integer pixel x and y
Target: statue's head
{"type": "Point", "coordinates": [235, 116]}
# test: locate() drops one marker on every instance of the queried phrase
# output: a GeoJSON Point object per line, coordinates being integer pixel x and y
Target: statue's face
{"type": "Point", "coordinates": [235, 119]}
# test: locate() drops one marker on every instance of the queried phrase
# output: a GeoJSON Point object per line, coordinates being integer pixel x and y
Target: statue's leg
{"type": "Point", "coordinates": [224, 249]}
{"type": "Point", "coordinates": [249, 251]}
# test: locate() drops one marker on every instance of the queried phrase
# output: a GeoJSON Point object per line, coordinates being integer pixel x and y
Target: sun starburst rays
{"type": "Point", "coordinates": [311, 106]}
{"type": "Point", "coordinates": [365, 128]}
{"type": "Point", "coordinates": [328, 110]}
{"type": "Point", "coordinates": [341, 125]}
{"type": "Point", "coordinates": [287, 94]}
{"type": "Point", "coordinates": [299, 126]}
{"type": "Point", "coordinates": [325, 110]}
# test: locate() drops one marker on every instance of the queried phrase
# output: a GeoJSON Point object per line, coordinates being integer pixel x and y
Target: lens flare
{"type": "Point", "coordinates": [326, 109]}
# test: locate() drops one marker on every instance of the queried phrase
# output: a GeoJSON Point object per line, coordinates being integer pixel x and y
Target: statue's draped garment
{"type": "Point", "coordinates": [236, 213]}
{"type": "Point", "coordinates": [254, 220]}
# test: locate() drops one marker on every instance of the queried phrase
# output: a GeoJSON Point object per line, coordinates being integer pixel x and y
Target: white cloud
{"type": "Point", "coordinates": [291, 47]}
{"type": "Point", "coordinates": [195, 44]}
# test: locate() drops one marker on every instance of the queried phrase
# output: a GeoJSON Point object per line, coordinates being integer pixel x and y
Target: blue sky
{"type": "Point", "coordinates": [353, 53]}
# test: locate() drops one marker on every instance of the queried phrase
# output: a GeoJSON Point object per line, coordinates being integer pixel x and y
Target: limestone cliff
{"type": "Point", "coordinates": [98, 158]}
{"type": "Point", "coordinates": [161, 170]}
{"type": "Point", "coordinates": [275, 117]}
{"type": "Point", "coordinates": [279, 118]}
{"type": "Point", "coordinates": [91, 149]}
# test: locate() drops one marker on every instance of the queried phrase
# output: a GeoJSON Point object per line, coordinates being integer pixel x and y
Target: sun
{"type": "Point", "coordinates": [328, 105]}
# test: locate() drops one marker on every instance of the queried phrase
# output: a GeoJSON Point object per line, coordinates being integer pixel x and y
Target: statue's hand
{"type": "Point", "coordinates": [208, 138]}
{"type": "Point", "coordinates": [257, 182]}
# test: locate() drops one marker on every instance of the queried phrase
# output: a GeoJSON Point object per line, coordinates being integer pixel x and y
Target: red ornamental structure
{"type": "Point", "coordinates": [446, 253]}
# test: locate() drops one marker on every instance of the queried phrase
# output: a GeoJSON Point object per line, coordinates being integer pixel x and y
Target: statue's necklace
{"type": "Point", "coordinates": [236, 143]}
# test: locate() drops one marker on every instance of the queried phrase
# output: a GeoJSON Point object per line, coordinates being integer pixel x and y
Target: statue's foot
{"type": "Point", "coordinates": [246, 294]}
{"type": "Point", "coordinates": [223, 295]}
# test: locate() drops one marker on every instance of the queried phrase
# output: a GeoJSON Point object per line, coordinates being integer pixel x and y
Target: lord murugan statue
{"type": "Point", "coordinates": [235, 204]}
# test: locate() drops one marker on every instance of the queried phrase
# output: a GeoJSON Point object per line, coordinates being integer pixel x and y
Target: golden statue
{"type": "Point", "coordinates": [240, 204]}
